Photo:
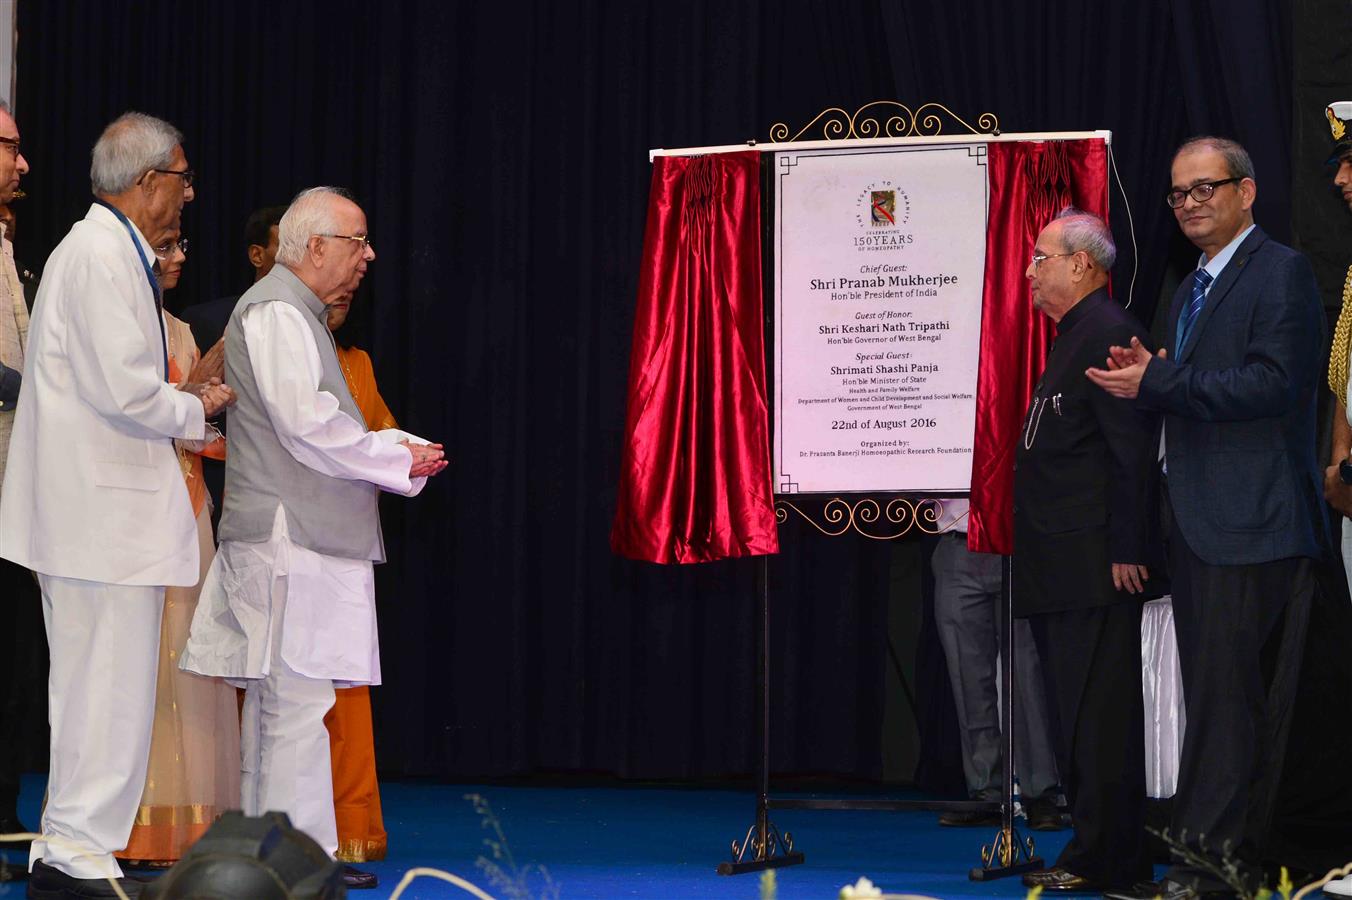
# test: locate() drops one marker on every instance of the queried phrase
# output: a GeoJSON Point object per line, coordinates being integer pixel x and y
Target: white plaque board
{"type": "Point", "coordinates": [879, 260]}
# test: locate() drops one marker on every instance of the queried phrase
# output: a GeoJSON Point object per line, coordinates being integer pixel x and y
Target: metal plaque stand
{"type": "Point", "coordinates": [1010, 853]}
{"type": "Point", "coordinates": [764, 846]}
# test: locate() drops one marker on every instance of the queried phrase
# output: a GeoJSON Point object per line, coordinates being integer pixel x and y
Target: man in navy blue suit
{"type": "Point", "coordinates": [1236, 382]}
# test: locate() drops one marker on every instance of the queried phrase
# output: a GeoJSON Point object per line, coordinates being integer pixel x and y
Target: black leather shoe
{"type": "Point", "coordinates": [1045, 816]}
{"type": "Point", "coordinates": [48, 883]}
{"type": "Point", "coordinates": [357, 879]}
{"type": "Point", "coordinates": [1057, 880]}
{"type": "Point", "coordinates": [969, 818]}
{"type": "Point", "coordinates": [1149, 890]}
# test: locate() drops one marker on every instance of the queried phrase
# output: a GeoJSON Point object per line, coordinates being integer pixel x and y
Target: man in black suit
{"type": "Point", "coordinates": [1080, 488]}
{"type": "Point", "coordinates": [1237, 384]}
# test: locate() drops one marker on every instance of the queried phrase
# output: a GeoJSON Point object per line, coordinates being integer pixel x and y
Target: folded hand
{"type": "Point", "coordinates": [214, 395]}
{"type": "Point", "coordinates": [428, 459]}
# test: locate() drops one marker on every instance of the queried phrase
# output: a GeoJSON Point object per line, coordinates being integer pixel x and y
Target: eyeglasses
{"type": "Point", "coordinates": [1200, 193]}
{"type": "Point", "coordinates": [186, 174]}
{"type": "Point", "coordinates": [12, 144]}
{"type": "Point", "coordinates": [167, 250]}
{"type": "Point", "coordinates": [363, 239]}
{"type": "Point", "coordinates": [1039, 257]}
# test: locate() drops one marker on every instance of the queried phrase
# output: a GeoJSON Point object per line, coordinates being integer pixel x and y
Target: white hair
{"type": "Point", "coordinates": [1084, 231]}
{"type": "Point", "coordinates": [133, 144]}
{"type": "Point", "coordinates": [310, 213]}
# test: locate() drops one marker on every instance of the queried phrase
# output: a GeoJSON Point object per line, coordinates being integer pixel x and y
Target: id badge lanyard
{"type": "Point", "coordinates": [150, 277]}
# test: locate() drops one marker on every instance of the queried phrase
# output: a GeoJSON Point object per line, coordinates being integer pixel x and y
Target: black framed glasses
{"type": "Point", "coordinates": [1039, 257]}
{"type": "Point", "coordinates": [167, 250]}
{"type": "Point", "coordinates": [186, 174]}
{"type": "Point", "coordinates": [11, 144]}
{"type": "Point", "coordinates": [1200, 193]}
{"type": "Point", "coordinates": [363, 239]}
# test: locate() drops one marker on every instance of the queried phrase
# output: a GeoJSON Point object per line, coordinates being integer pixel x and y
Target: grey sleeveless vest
{"type": "Point", "coordinates": [332, 516]}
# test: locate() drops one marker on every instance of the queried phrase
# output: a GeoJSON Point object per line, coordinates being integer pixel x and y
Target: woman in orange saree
{"type": "Point", "coordinates": [356, 795]}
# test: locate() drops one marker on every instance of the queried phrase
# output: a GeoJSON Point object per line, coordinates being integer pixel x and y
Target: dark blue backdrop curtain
{"type": "Point", "coordinates": [500, 152]}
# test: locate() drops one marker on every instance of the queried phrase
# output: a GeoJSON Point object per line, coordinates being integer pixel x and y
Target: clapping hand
{"type": "Point", "coordinates": [428, 459]}
{"type": "Point", "coordinates": [1126, 368]}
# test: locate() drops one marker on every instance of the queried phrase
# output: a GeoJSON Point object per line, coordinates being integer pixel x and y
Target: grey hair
{"type": "Point", "coordinates": [133, 144]}
{"type": "Point", "coordinates": [1237, 160]}
{"type": "Point", "coordinates": [4, 107]}
{"type": "Point", "coordinates": [309, 214]}
{"type": "Point", "coordinates": [1084, 231]}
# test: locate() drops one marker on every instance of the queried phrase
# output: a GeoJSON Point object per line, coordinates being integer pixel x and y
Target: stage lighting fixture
{"type": "Point", "coordinates": [262, 858]}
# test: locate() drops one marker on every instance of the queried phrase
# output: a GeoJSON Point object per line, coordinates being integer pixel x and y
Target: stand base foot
{"type": "Point", "coordinates": [1033, 865]}
{"type": "Point", "coordinates": [1009, 854]}
{"type": "Point", "coordinates": [762, 848]}
{"type": "Point", "coordinates": [758, 865]}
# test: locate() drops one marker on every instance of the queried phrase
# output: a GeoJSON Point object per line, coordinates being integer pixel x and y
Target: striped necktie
{"type": "Point", "coordinates": [1201, 280]}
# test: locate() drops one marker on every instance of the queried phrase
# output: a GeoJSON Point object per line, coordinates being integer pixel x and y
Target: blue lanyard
{"type": "Point", "coordinates": [150, 276]}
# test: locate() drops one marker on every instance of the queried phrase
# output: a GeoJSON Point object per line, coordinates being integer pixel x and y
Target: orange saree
{"type": "Point", "coordinates": [356, 795]}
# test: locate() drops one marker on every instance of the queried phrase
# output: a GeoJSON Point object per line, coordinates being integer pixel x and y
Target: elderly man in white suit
{"type": "Point", "coordinates": [94, 500]}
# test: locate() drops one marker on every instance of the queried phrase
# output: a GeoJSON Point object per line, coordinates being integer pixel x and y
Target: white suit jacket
{"type": "Point", "coordinates": [93, 488]}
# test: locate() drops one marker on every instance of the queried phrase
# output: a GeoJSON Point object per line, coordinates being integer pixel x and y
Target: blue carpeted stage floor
{"type": "Point", "coordinates": [657, 842]}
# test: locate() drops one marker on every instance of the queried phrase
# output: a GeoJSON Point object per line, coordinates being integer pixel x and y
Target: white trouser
{"type": "Point", "coordinates": [1347, 547]}
{"type": "Point", "coordinates": [284, 749]}
{"type": "Point", "coordinates": [104, 641]}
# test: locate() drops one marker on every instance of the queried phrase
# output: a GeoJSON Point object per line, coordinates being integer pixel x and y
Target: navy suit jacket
{"type": "Point", "coordinates": [1239, 410]}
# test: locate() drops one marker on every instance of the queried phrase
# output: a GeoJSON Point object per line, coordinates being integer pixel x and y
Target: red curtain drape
{"type": "Point", "coordinates": [695, 481]}
{"type": "Point", "coordinates": [1029, 184]}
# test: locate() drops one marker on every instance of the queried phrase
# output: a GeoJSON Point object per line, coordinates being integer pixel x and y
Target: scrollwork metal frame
{"type": "Point", "coordinates": [896, 516]}
{"type": "Point", "coordinates": [924, 121]}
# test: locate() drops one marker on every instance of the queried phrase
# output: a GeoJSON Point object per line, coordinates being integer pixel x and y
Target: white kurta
{"type": "Point", "coordinates": [320, 610]}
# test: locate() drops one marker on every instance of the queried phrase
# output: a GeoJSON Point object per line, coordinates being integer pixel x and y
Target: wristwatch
{"type": "Point", "coordinates": [1345, 471]}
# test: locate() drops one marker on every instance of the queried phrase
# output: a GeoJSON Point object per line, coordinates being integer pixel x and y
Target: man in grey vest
{"type": "Point", "coordinates": [288, 607]}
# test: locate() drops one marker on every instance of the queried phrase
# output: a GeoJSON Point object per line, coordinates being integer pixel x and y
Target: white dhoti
{"type": "Point", "coordinates": [104, 641]}
{"type": "Point", "coordinates": [287, 624]}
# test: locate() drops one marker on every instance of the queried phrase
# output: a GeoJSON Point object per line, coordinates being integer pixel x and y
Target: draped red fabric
{"type": "Point", "coordinates": [1030, 182]}
{"type": "Point", "coordinates": [695, 481]}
